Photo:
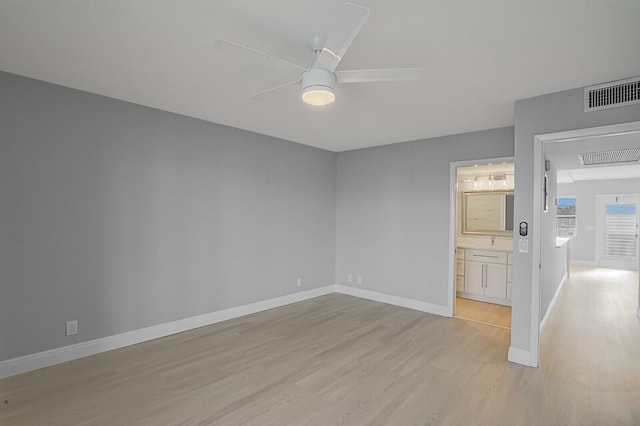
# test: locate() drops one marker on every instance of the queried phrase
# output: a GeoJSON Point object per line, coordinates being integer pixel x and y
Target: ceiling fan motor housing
{"type": "Point", "coordinates": [318, 77]}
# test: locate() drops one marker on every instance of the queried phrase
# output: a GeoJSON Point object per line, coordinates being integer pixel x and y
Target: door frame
{"type": "Point", "coordinates": [538, 205]}
{"type": "Point", "coordinates": [453, 217]}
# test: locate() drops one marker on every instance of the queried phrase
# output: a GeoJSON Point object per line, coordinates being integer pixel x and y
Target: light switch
{"type": "Point", "coordinates": [523, 245]}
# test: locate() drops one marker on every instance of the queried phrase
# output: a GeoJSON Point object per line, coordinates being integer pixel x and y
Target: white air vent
{"type": "Point", "coordinates": [611, 95]}
{"type": "Point", "coordinates": [631, 155]}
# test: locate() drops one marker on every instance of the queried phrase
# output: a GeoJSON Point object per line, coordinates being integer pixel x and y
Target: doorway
{"type": "Point", "coordinates": [482, 240]}
{"type": "Point", "coordinates": [564, 140]}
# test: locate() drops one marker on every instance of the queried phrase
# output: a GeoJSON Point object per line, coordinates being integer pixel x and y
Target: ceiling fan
{"type": "Point", "coordinates": [319, 81]}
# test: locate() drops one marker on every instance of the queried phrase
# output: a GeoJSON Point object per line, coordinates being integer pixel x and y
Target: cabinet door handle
{"type": "Point", "coordinates": [484, 276]}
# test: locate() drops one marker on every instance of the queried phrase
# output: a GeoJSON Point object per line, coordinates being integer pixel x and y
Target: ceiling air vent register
{"type": "Point", "coordinates": [631, 155]}
{"type": "Point", "coordinates": [611, 95]}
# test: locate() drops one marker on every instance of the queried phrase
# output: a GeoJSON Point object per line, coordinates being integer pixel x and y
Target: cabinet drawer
{"type": "Point", "coordinates": [509, 274]}
{"type": "Point", "coordinates": [460, 268]}
{"type": "Point", "coordinates": [460, 254]}
{"type": "Point", "coordinates": [459, 283]}
{"type": "Point", "coordinates": [487, 256]}
{"type": "Point", "coordinates": [508, 291]}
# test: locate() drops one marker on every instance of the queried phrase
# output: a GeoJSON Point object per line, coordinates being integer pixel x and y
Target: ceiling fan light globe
{"type": "Point", "coordinates": [318, 95]}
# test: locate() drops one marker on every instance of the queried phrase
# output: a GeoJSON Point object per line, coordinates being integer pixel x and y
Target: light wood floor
{"type": "Point", "coordinates": [488, 313]}
{"type": "Point", "coordinates": [341, 360]}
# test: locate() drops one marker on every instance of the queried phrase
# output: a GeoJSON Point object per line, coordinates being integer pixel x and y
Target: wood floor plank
{"type": "Point", "coordinates": [489, 313]}
{"type": "Point", "coordinates": [341, 360]}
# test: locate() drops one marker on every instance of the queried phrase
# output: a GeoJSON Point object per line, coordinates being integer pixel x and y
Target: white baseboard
{"type": "Point", "coordinates": [520, 356]}
{"type": "Point", "coordinates": [394, 300]}
{"type": "Point", "coordinates": [547, 314]}
{"type": "Point", "coordinates": [55, 356]}
{"type": "Point", "coordinates": [584, 262]}
{"type": "Point", "coordinates": [80, 350]}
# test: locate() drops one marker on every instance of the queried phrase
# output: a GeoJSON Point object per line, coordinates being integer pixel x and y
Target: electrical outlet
{"type": "Point", "coordinates": [299, 282]}
{"type": "Point", "coordinates": [72, 327]}
{"type": "Point", "coordinates": [360, 279]}
{"type": "Point", "coordinates": [349, 278]}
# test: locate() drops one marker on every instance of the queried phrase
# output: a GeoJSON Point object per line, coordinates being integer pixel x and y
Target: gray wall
{"type": "Point", "coordinates": [551, 113]}
{"type": "Point", "coordinates": [583, 245]}
{"type": "Point", "coordinates": [393, 212]}
{"type": "Point", "coordinates": [123, 217]}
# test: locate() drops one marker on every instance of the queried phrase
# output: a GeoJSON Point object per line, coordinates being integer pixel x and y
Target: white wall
{"type": "Point", "coordinates": [393, 212]}
{"type": "Point", "coordinates": [583, 246]}
{"type": "Point", "coordinates": [124, 217]}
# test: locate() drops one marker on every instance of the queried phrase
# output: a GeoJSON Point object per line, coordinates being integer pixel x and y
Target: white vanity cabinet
{"type": "Point", "coordinates": [460, 269]}
{"type": "Point", "coordinates": [485, 276]}
{"type": "Point", "coordinates": [509, 280]}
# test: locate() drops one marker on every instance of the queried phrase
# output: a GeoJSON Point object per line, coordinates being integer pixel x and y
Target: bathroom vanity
{"type": "Point", "coordinates": [484, 232]}
{"type": "Point", "coordinates": [484, 275]}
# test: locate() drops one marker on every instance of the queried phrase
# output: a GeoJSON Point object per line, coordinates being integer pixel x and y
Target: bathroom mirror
{"type": "Point", "coordinates": [488, 212]}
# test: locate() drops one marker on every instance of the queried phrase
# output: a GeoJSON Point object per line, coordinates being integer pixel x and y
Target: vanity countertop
{"type": "Point", "coordinates": [470, 247]}
{"type": "Point", "coordinates": [560, 241]}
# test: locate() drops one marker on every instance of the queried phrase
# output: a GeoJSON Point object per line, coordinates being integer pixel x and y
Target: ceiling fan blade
{"type": "Point", "coordinates": [373, 75]}
{"type": "Point", "coordinates": [270, 92]}
{"type": "Point", "coordinates": [349, 23]}
{"type": "Point", "coordinates": [224, 43]}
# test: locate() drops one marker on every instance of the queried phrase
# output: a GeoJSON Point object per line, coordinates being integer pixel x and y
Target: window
{"type": "Point", "coordinates": [566, 217]}
{"type": "Point", "coordinates": [620, 231]}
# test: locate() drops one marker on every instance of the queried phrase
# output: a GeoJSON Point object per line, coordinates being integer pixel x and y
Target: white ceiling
{"type": "Point", "coordinates": [486, 169]}
{"type": "Point", "coordinates": [479, 58]}
{"type": "Point", "coordinates": [564, 155]}
{"type": "Point", "coordinates": [599, 173]}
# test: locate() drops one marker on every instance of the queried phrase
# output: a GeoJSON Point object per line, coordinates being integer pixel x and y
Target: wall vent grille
{"type": "Point", "coordinates": [631, 155]}
{"type": "Point", "coordinates": [612, 95]}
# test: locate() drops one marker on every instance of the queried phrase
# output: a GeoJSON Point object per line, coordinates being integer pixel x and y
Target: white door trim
{"type": "Point", "coordinates": [538, 176]}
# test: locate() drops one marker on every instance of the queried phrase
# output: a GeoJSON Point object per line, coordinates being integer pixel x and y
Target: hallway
{"type": "Point", "coordinates": [591, 346]}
